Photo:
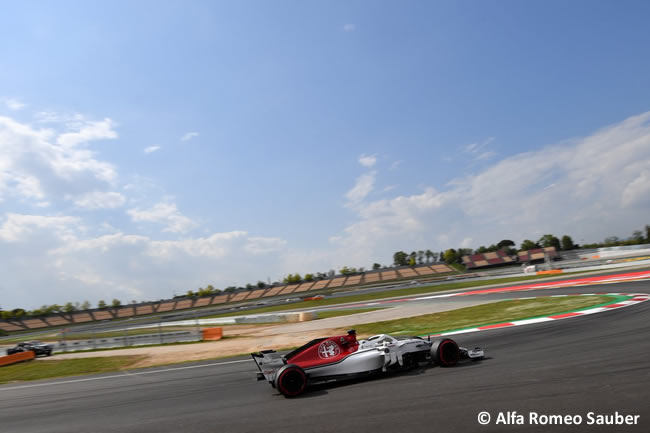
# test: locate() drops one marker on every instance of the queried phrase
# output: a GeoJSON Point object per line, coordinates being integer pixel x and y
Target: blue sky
{"type": "Point", "coordinates": [148, 148]}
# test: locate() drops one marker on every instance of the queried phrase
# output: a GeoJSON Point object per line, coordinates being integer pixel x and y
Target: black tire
{"type": "Point", "coordinates": [49, 353]}
{"type": "Point", "coordinates": [445, 352]}
{"type": "Point", "coordinates": [291, 380]}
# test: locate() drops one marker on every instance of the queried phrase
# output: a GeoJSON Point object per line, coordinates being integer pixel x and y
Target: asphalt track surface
{"type": "Point", "coordinates": [596, 363]}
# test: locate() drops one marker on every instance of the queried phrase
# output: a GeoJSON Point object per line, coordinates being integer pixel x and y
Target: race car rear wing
{"type": "Point", "coordinates": [268, 362]}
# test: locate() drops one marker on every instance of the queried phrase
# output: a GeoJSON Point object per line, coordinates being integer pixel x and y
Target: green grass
{"type": "Point", "coordinates": [378, 295]}
{"type": "Point", "coordinates": [40, 369]}
{"type": "Point", "coordinates": [480, 315]}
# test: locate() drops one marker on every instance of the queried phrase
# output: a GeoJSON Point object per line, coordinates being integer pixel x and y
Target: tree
{"type": "Point", "coordinates": [637, 236]}
{"type": "Point", "coordinates": [450, 256]}
{"type": "Point", "coordinates": [420, 257]}
{"type": "Point", "coordinates": [116, 303]}
{"type": "Point", "coordinates": [261, 284]}
{"type": "Point", "coordinates": [411, 261]}
{"type": "Point", "coordinates": [549, 241]}
{"type": "Point", "coordinates": [101, 304]}
{"type": "Point", "coordinates": [528, 245]}
{"type": "Point", "coordinates": [345, 270]}
{"type": "Point", "coordinates": [249, 286]}
{"type": "Point", "coordinates": [612, 240]}
{"type": "Point", "coordinates": [190, 293]}
{"type": "Point", "coordinates": [69, 307]}
{"type": "Point", "coordinates": [505, 243]}
{"type": "Point", "coordinates": [309, 277]}
{"type": "Point", "coordinates": [85, 305]}
{"type": "Point", "coordinates": [481, 250]}
{"type": "Point", "coordinates": [567, 243]}
{"type": "Point", "coordinates": [400, 258]}
{"type": "Point", "coordinates": [429, 255]}
{"type": "Point", "coordinates": [17, 313]}
{"type": "Point", "coordinates": [230, 289]}
{"type": "Point", "coordinates": [647, 233]}
{"type": "Point", "coordinates": [376, 266]}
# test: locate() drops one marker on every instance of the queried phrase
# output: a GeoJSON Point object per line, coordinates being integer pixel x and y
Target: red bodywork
{"type": "Point", "coordinates": [326, 351]}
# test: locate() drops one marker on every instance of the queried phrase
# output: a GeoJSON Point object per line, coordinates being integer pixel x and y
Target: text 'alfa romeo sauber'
{"type": "Point", "coordinates": [343, 357]}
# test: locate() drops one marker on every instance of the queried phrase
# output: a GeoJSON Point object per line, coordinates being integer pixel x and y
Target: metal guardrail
{"type": "Point", "coordinates": [70, 344]}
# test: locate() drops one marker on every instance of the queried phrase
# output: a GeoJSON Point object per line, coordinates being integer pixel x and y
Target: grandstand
{"type": "Point", "coordinates": [183, 303]}
{"type": "Point", "coordinates": [539, 254]}
{"type": "Point", "coordinates": [488, 259]}
{"type": "Point", "coordinates": [497, 258]}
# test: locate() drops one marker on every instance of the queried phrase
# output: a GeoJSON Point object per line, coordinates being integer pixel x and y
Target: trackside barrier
{"type": "Point", "coordinates": [16, 357]}
{"type": "Point", "coordinates": [212, 334]}
{"type": "Point", "coordinates": [552, 271]}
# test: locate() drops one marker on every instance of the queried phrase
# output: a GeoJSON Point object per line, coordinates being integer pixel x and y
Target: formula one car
{"type": "Point", "coordinates": [35, 346]}
{"type": "Point", "coordinates": [343, 357]}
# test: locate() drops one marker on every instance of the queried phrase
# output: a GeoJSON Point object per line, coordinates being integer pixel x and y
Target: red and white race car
{"type": "Point", "coordinates": [343, 357]}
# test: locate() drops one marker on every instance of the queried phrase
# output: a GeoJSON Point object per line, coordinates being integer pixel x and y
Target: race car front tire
{"type": "Point", "coordinates": [445, 352]}
{"type": "Point", "coordinates": [291, 380]}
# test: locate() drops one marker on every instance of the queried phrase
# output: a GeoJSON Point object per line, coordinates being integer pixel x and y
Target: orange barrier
{"type": "Point", "coordinates": [16, 357]}
{"type": "Point", "coordinates": [554, 271]}
{"type": "Point", "coordinates": [595, 257]}
{"type": "Point", "coordinates": [212, 334]}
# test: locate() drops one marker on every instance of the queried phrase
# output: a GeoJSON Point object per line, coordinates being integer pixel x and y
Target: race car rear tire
{"type": "Point", "coordinates": [291, 380]}
{"type": "Point", "coordinates": [445, 352]}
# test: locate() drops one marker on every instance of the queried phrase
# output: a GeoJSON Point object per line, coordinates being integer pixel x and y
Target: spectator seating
{"type": "Point", "coordinates": [220, 299]}
{"type": "Point", "coordinates": [35, 323]}
{"type": "Point", "coordinates": [388, 275]}
{"type": "Point", "coordinates": [82, 317]}
{"type": "Point", "coordinates": [424, 270]}
{"type": "Point", "coordinates": [353, 280]}
{"type": "Point", "coordinates": [320, 284]}
{"type": "Point", "coordinates": [304, 287]}
{"type": "Point", "coordinates": [273, 291]}
{"type": "Point", "coordinates": [254, 294]}
{"type": "Point", "coordinates": [441, 268]}
{"type": "Point", "coordinates": [337, 282]}
{"type": "Point", "coordinates": [488, 259]}
{"type": "Point", "coordinates": [56, 320]}
{"type": "Point", "coordinates": [166, 306]}
{"type": "Point", "coordinates": [537, 254]}
{"type": "Point", "coordinates": [8, 326]}
{"type": "Point", "coordinates": [202, 301]}
{"type": "Point", "coordinates": [125, 312]}
{"type": "Point", "coordinates": [407, 272]}
{"type": "Point", "coordinates": [372, 277]}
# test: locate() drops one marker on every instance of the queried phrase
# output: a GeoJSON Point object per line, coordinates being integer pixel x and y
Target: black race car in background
{"type": "Point", "coordinates": [34, 346]}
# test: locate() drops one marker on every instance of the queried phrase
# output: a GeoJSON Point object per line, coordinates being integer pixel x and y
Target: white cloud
{"type": "Point", "coordinates": [37, 163]}
{"type": "Point", "coordinates": [395, 164]}
{"type": "Point", "coordinates": [16, 227]}
{"type": "Point", "coordinates": [14, 104]}
{"type": "Point", "coordinates": [363, 186]}
{"type": "Point", "coordinates": [90, 130]}
{"type": "Point", "coordinates": [368, 160]}
{"type": "Point", "coordinates": [262, 245]}
{"type": "Point", "coordinates": [151, 149]}
{"type": "Point", "coordinates": [163, 213]}
{"type": "Point", "coordinates": [478, 149]}
{"type": "Point", "coordinates": [349, 27]}
{"type": "Point", "coordinates": [189, 135]}
{"type": "Point", "coordinates": [99, 200]}
{"type": "Point", "coordinates": [588, 188]}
